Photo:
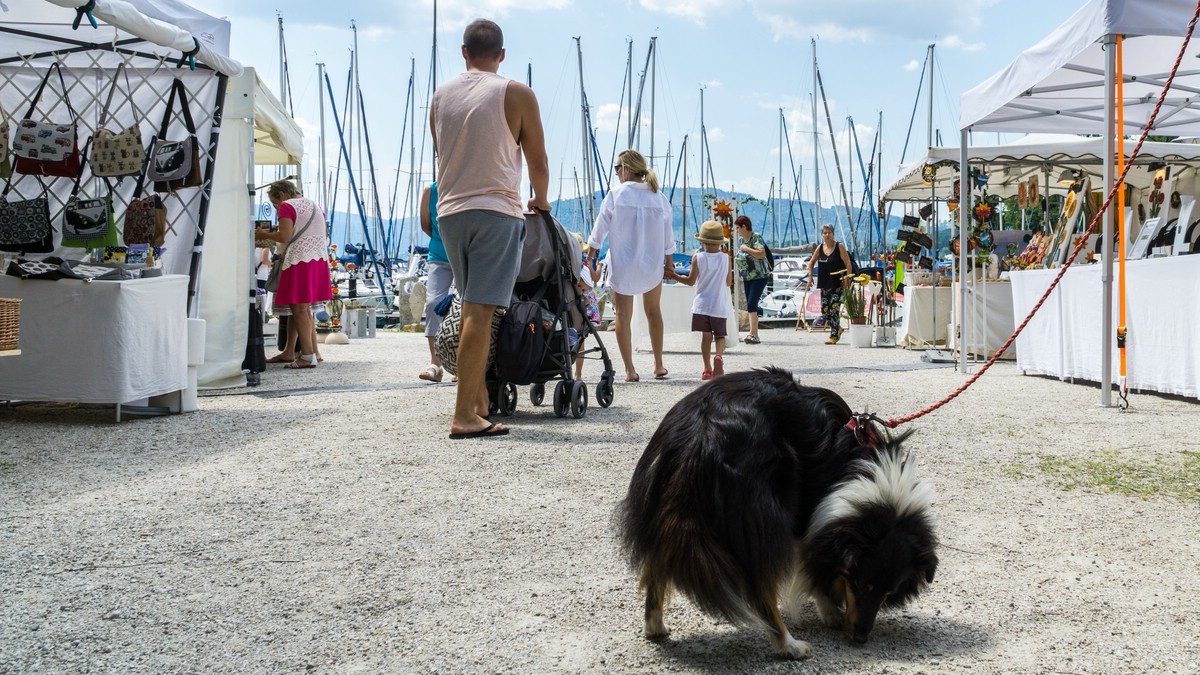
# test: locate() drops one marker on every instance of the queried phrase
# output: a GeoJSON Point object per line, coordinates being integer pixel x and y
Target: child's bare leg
{"type": "Point", "coordinates": [720, 346]}
{"type": "Point", "coordinates": [706, 349]}
{"type": "Point", "coordinates": [579, 361]}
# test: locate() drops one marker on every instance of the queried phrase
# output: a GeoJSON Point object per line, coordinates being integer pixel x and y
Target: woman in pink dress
{"type": "Point", "coordinates": [305, 277]}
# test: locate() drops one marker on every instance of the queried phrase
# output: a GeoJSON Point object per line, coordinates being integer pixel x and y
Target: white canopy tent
{"type": "Point", "coordinates": [1066, 83]}
{"type": "Point", "coordinates": [150, 36]}
{"type": "Point", "coordinates": [1007, 164]}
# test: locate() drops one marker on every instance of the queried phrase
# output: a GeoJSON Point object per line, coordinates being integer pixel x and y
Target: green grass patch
{"type": "Point", "coordinates": [1175, 475]}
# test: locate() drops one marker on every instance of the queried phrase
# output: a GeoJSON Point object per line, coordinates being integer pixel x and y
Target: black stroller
{"type": "Point", "coordinates": [550, 267]}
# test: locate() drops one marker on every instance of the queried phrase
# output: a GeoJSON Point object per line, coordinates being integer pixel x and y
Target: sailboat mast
{"type": "Point", "coordinates": [414, 179]}
{"type": "Point", "coordinates": [629, 86]}
{"type": "Point", "coordinates": [587, 146]}
{"type": "Point", "coordinates": [775, 211]}
{"type": "Point", "coordinates": [683, 221]}
{"type": "Point", "coordinates": [703, 142]}
{"type": "Point", "coordinates": [653, 77]}
{"type": "Point", "coordinates": [817, 217]}
{"type": "Point", "coordinates": [433, 78]}
{"type": "Point", "coordinates": [324, 188]}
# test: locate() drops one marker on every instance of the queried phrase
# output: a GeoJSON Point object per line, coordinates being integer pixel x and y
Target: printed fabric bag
{"type": "Point", "coordinates": [118, 154]}
{"type": "Point", "coordinates": [5, 165]}
{"type": "Point", "coordinates": [445, 343]}
{"type": "Point", "coordinates": [174, 165]}
{"type": "Point", "coordinates": [88, 221]}
{"type": "Point", "coordinates": [47, 148]}
{"type": "Point", "coordinates": [25, 224]}
{"type": "Point", "coordinates": [145, 217]}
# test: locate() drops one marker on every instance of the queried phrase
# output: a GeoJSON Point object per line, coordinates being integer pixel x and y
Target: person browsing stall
{"type": "Point", "coordinates": [482, 124]}
{"type": "Point", "coordinates": [438, 279]}
{"type": "Point", "coordinates": [305, 273]}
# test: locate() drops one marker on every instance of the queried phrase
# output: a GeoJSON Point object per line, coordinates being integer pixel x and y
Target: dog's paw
{"type": "Point", "coordinates": [656, 629]}
{"type": "Point", "coordinates": [795, 649]}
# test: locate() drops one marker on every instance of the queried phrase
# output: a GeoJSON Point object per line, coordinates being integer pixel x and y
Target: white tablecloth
{"type": "Point", "coordinates": [927, 312]}
{"type": "Point", "coordinates": [99, 342]}
{"type": "Point", "coordinates": [989, 317]}
{"type": "Point", "coordinates": [1163, 320]}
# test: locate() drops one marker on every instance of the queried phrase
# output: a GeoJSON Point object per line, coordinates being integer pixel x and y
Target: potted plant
{"type": "Point", "coordinates": [854, 301]}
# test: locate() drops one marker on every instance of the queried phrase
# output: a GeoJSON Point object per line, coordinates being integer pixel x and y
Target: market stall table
{"type": "Point", "coordinates": [927, 311]}
{"type": "Point", "coordinates": [989, 318]}
{"type": "Point", "coordinates": [106, 342]}
{"type": "Point", "coordinates": [1163, 320]}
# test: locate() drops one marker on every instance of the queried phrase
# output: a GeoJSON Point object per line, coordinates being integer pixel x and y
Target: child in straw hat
{"type": "Point", "coordinates": [711, 275]}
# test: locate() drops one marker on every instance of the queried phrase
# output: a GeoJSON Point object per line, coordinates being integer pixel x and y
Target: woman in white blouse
{"type": "Point", "coordinates": [636, 219]}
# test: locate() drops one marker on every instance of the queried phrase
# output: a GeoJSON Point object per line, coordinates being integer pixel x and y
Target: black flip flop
{"type": "Point", "coordinates": [485, 432]}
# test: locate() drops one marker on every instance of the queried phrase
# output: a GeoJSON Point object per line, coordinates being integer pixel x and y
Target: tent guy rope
{"type": "Point", "coordinates": [1118, 186]}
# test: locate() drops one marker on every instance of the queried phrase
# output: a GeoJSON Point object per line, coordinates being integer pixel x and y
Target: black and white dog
{"type": "Point", "coordinates": [755, 488]}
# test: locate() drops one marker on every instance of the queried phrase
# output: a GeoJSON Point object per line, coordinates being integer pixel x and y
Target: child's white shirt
{"type": "Point", "coordinates": [712, 295]}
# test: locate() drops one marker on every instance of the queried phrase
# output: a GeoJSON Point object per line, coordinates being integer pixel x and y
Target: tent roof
{"type": "Point", "coordinates": [164, 28]}
{"type": "Point", "coordinates": [277, 138]}
{"type": "Point", "coordinates": [1058, 84]}
{"type": "Point", "coordinates": [1033, 154]}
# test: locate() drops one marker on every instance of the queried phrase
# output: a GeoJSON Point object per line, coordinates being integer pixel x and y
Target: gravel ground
{"type": "Point", "coordinates": [322, 521]}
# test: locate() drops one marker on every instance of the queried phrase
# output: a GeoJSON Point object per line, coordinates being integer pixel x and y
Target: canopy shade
{"type": "Point", "coordinates": [1008, 164]}
{"type": "Point", "coordinates": [1058, 85]}
{"type": "Point", "coordinates": [277, 138]}
{"type": "Point", "coordinates": [167, 28]}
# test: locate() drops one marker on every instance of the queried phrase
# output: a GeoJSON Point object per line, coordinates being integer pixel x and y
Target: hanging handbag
{"type": "Point", "coordinates": [46, 148]}
{"type": "Point", "coordinates": [145, 217]}
{"type": "Point", "coordinates": [174, 165]}
{"type": "Point", "coordinates": [272, 283]}
{"type": "Point", "coordinates": [5, 165]}
{"type": "Point", "coordinates": [25, 224]}
{"type": "Point", "coordinates": [119, 154]}
{"type": "Point", "coordinates": [88, 222]}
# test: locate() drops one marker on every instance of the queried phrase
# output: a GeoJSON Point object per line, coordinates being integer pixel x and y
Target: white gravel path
{"type": "Point", "coordinates": [323, 522]}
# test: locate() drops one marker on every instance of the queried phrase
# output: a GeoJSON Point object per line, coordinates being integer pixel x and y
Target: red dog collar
{"type": "Point", "coordinates": [861, 427]}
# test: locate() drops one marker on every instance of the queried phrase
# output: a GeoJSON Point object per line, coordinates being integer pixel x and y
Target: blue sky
{"type": "Point", "coordinates": [751, 57]}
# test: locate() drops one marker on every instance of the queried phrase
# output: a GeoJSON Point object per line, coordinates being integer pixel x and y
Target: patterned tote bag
{"type": "Point", "coordinates": [175, 164]}
{"type": "Point", "coordinates": [120, 153]}
{"type": "Point", "coordinates": [47, 148]}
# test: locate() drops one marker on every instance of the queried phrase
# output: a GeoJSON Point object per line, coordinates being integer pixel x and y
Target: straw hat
{"type": "Point", "coordinates": [583, 247]}
{"type": "Point", "coordinates": [711, 232]}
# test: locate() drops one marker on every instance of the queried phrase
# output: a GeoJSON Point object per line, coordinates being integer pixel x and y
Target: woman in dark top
{"type": "Point", "coordinates": [834, 264]}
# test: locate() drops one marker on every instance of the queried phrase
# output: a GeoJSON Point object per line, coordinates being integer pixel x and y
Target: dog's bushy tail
{"type": "Point", "coordinates": [703, 512]}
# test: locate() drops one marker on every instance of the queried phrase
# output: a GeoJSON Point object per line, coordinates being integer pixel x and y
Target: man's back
{"type": "Point", "coordinates": [479, 161]}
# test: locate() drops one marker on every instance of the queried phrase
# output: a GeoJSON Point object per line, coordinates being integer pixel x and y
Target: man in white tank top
{"type": "Point", "coordinates": [481, 124]}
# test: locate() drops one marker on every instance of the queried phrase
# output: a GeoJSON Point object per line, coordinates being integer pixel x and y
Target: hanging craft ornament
{"type": "Point", "coordinates": [928, 173]}
{"type": "Point", "coordinates": [1031, 194]}
{"type": "Point", "coordinates": [1022, 197]}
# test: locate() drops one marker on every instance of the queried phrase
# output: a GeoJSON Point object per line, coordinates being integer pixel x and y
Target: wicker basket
{"type": "Point", "coordinates": [10, 323]}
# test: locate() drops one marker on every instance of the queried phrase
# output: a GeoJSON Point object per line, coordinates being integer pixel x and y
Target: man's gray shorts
{"type": "Point", "coordinates": [484, 248]}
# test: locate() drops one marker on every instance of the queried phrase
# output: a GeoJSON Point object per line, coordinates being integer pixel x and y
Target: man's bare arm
{"type": "Point", "coordinates": [525, 120]}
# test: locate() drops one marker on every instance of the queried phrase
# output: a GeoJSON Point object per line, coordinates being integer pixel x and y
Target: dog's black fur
{"type": "Point", "coordinates": [753, 489]}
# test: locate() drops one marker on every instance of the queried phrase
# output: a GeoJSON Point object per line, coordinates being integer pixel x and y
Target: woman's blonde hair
{"type": "Point", "coordinates": [635, 163]}
{"type": "Point", "coordinates": [283, 190]}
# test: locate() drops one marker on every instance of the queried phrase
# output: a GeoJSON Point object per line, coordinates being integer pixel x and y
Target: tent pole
{"type": "Point", "coordinates": [1106, 275]}
{"type": "Point", "coordinates": [964, 211]}
{"type": "Point", "coordinates": [214, 137]}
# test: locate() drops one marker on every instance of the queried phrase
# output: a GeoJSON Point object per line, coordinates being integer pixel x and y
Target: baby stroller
{"type": "Point", "coordinates": [550, 267]}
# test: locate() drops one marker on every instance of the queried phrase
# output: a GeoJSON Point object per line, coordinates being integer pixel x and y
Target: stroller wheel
{"type": "Point", "coordinates": [537, 393]}
{"type": "Point", "coordinates": [604, 391]}
{"type": "Point", "coordinates": [562, 398]}
{"type": "Point", "coordinates": [579, 399]}
{"type": "Point", "coordinates": [508, 399]}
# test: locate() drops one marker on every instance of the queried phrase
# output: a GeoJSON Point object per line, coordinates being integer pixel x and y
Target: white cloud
{"type": "Point", "coordinates": [955, 42]}
{"type": "Point", "coordinates": [869, 21]}
{"type": "Point", "coordinates": [715, 135]}
{"type": "Point", "coordinates": [606, 116]}
{"type": "Point", "coordinates": [912, 65]}
{"type": "Point", "coordinates": [696, 10]}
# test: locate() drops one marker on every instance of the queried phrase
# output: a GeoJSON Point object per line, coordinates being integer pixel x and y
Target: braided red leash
{"type": "Point", "coordinates": [895, 422]}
